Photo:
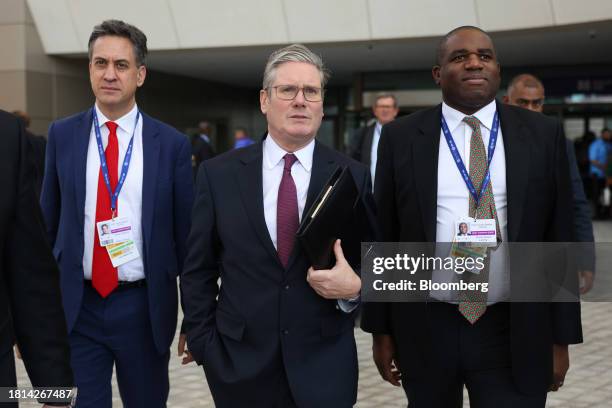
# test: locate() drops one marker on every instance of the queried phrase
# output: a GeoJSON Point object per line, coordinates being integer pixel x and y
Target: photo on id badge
{"type": "Point", "coordinates": [472, 230]}
{"type": "Point", "coordinates": [114, 231]}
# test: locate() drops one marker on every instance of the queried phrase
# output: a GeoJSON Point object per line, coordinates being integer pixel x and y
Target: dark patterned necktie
{"type": "Point", "coordinates": [287, 216]}
{"type": "Point", "coordinates": [473, 304]}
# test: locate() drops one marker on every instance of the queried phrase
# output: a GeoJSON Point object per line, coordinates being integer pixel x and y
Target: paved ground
{"type": "Point", "coordinates": [588, 384]}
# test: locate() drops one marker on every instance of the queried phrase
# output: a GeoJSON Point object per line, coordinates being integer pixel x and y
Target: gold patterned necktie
{"type": "Point", "coordinates": [473, 303]}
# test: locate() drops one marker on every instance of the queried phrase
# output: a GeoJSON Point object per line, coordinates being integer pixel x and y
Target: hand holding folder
{"type": "Point", "coordinates": [332, 216]}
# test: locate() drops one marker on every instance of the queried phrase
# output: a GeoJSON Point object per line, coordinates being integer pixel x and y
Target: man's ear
{"type": "Point", "coordinates": [435, 73]}
{"type": "Point", "coordinates": [264, 101]}
{"type": "Point", "coordinates": [141, 75]}
{"type": "Point", "coordinates": [505, 99]}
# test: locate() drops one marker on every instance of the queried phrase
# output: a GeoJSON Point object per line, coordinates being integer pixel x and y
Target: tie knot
{"type": "Point", "coordinates": [289, 160]}
{"type": "Point", "coordinates": [112, 127]}
{"type": "Point", "coordinates": [472, 122]}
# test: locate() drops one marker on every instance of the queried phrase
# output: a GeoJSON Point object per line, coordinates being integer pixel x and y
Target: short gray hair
{"type": "Point", "coordinates": [119, 28]}
{"type": "Point", "coordinates": [293, 53]}
{"type": "Point", "coordinates": [385, 95]}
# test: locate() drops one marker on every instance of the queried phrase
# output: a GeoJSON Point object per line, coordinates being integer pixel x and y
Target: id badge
{"type": "Point", "coordinates": [472, 238]}
{"type": "Point", "coordinates": [476, 231]}
{"type": "Point", "coordinates": [114, 231]}
{"type": "Point", "coordinates": [122, 252]}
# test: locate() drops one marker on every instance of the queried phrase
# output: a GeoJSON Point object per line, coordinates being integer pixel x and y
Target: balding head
{"type": "Point", "coordinates": [526, 91]}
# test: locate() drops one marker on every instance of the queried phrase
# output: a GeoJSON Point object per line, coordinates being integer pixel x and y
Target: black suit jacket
{"type": "Point", "coordinates": [267, 321]}
{"type": "Point", "coordinates": [30, 304]}
{"type": "Point", "coordinates": [361, 144]}
{"type": "Point", "coordinates": [37, 145]}
{"type": "Point", "coordinates": [539, 210]}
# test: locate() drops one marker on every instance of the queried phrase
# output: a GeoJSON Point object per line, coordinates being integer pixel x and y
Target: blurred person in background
{"type": "Point", "coordinates": [364, 143]}
{"type": "Point", "coordinates": [201, 146]}
{"type": "Point", "coordinates": [527, 91]}
{"type": "Point", "coordinates": [241, 138]}
{"type": "Point", "coordinates": [598, 157]}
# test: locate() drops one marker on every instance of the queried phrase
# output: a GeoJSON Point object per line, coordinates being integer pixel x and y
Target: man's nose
{"type": "Point", "coordinates": [109, 73]}
{"type": "Point", "coordinates": [473, 61]}
{"type": "Point", "coordinates": [299, 98]}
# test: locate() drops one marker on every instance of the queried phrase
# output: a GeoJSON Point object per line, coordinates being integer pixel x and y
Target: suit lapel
{"type": "Point", "coordinates": [322, 168]}
{"type": "Point", "coordinates": [81, 142]}
{"type": "Point", "coordinates": [150, 155]}
{"type": "Point", "coordinates": [516, 145]}
{"type": "Point", "coordinates": [249, 177]}
{"type": "Point", "coordinates": [425, 159]}
{"type": "Point", "coordinates": [366, 151]}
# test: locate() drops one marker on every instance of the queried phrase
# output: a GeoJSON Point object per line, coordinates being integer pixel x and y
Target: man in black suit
{"type": "Point", "coordinates": [364, 143]}
{"type": "Point", "coordinates": [37, 146]}
{"type": "Point", "coordinates": [276, 333]}
{"type": "Point", "coordinates": [201, 148]}
{"type": "Point", "coordinates": [527, 91]}
{"type": "Point", "coordinates": [30, 307]}
{"type": "Point", "coordinates": [506, 354]}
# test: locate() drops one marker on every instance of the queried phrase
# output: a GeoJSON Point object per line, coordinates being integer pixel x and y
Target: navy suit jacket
{"type": "Point", "coordinates": [167, 197]}
{"type": "Point", "coordinates": [264, 322]}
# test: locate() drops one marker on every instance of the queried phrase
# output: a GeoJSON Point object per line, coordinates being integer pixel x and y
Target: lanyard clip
{"type": "Point", "coordinates": [113, 213]}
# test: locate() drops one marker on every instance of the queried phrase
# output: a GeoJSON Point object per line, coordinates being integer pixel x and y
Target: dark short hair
{"type": "Point", "coordinates": [442, 43]}
{"type": "Point", "coordinates": [121, 29]}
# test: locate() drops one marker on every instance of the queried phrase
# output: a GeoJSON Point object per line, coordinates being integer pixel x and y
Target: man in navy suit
{"type": "Point", "coordinates": [276, 333]}
{"type": "Point", "coordinates": [115, 165]}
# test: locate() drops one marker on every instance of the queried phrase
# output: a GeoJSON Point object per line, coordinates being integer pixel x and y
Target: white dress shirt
{"type": "Point", "coordinates": [374, 151]}
{"type": "Point", "coordinates": [272, 173]}
{"type": "Point", "coordinates": [130, 198]}
{"type": "Point", "coordinates": [453, 196]}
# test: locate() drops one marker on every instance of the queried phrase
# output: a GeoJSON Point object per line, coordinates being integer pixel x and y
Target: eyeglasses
{"type": "Point", "coordinates": [289, 92]}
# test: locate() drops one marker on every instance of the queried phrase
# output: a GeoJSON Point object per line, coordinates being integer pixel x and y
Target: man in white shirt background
{"type": "Point", "coordinates": [364, 143]}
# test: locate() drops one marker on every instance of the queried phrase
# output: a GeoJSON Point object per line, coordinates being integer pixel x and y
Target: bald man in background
{"type": "Point", "coordinates": [527, 91]}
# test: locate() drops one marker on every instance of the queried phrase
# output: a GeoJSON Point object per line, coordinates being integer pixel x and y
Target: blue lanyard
{"type": "Point", "coordinates": [124, 167]}
{"type": "Point", "coordinates": [459, 162]}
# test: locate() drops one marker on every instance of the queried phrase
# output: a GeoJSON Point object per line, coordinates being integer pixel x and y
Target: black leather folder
{"type": "Point", "coordinates": [332, 216]}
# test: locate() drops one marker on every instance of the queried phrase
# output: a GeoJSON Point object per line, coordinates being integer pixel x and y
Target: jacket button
{"type": "Point", "coordinates": [286, 287]}
{"type": "Point", "coordinates": [285, 332]}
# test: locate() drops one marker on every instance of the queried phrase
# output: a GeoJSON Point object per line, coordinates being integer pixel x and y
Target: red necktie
{"type": "Point", "coordinates": [103, 274]}
{"type": "Point", "coordinates": [287, 216]}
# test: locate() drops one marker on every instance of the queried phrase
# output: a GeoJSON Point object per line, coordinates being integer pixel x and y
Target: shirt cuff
{"type": "Point", "coordinates": [348, 305]}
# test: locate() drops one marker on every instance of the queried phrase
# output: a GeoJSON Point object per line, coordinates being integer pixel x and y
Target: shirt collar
{"type": "Point", "coordinates": [454, 118]}
{"type": "Point", "coordinates": [273, 153]}
{"type": "Point", "coordinates": [125, 123]}
{"type": "Point", "coordinates": [378, 127]}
